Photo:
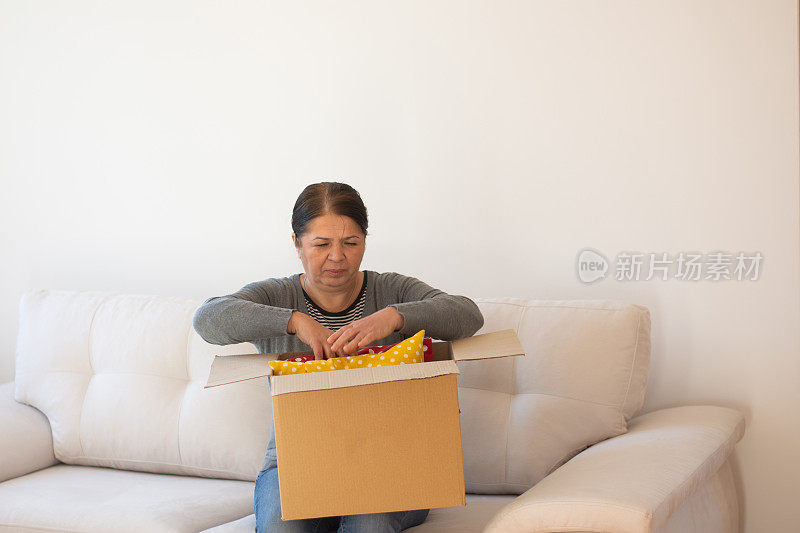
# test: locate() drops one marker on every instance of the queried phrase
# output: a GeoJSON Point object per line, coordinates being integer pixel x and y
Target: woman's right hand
{"type": "Point", "coordinates": [312, 333]}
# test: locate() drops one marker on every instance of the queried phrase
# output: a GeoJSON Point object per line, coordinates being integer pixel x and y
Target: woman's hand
{"type": "Point", "coordinates": [312, 333]}
{"type": "Point", "coordinates": [350, 338]}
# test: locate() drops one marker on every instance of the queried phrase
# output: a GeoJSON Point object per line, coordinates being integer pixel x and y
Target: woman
{"type": "Point", "coordinates": [334, 309]}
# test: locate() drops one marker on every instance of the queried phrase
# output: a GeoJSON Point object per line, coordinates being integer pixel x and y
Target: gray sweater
{"type": "Point", "coordinates": [259, 313]}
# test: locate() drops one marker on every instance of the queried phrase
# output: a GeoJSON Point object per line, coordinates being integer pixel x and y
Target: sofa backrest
{"type": "Point", "coordinates": [120, 377]}
{"type": "Point", "coordinates": [582, 378]}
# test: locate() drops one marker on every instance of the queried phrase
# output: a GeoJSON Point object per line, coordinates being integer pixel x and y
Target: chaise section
{"type": "Point", "coordinates": [633, 482]}
{"type": "Point", "coordinates": [26, 442]}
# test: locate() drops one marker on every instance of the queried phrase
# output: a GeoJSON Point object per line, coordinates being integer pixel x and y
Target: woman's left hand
{"type": "Point", "coordinates": [348, 339]}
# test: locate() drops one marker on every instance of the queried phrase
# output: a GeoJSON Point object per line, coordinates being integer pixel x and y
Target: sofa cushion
{"type": "Point", "coordinates": [86, 498]}
{"type": "Point", "coordinates": [120, 378]}
{"type": "Point", "coordinates": [582, 378]}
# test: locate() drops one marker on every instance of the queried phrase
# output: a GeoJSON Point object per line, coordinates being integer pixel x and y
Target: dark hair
{"type": "Point", "coordinates": [327, 197]}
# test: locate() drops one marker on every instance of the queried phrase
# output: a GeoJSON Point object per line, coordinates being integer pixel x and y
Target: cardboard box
{"type": "Point", "coordinates": [368, 440]}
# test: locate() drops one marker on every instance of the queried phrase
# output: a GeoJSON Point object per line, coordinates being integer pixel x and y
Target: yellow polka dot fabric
{"type": "Point", "coordinates": [406, 352]}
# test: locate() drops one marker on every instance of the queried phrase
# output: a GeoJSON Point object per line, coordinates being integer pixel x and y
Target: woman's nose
{"type": "Point", "coordinates": [336, 251]}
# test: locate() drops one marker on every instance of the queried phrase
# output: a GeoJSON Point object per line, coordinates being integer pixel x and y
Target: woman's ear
{"type": "Point", "coordinates": [296, 245]}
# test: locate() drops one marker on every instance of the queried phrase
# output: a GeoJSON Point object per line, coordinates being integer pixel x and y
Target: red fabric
{"type": "Point", "coordinates": [301, 358]}
{"type": "Point", "coordinates": [427, 346]}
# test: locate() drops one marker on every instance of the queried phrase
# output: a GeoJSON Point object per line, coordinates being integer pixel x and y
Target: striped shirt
{"type": "Point", "coordinates": [334, 321]}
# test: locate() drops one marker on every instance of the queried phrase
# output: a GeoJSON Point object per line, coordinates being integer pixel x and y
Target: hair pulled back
{"type": "Point", "coordinates": [327, 197]}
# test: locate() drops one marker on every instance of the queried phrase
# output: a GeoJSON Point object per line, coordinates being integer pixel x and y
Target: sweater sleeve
{"type": "Point", "coordinates": [249, 314]}
{"type": "Point", "coordinates": [443, 316]}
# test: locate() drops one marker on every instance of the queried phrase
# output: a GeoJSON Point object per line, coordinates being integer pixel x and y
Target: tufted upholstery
{"type": "Point", "coordinates": [120, 378]}
{"type": "Point", "coordinates": [582, 378]}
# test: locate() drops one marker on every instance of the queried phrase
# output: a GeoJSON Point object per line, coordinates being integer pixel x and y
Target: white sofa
{"type": "Point", "coordinates": [107, 426]}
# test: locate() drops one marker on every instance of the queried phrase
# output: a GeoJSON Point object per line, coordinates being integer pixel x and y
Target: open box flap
{"type": "Point", "coordinates": [487, 346]}
{"type": "Point", "coordinates": [232, 368]}
{"type": "Point", "coordinates": [359, 376]}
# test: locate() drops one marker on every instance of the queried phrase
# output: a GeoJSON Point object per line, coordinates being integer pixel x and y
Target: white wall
{"type": "Point", "coordinates": [158, 148]}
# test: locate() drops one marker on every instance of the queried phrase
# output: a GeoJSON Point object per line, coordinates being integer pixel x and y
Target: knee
{"type": "Point", "coordinates": [372, 522]}
{"type": "Point", "coordinates": [384, 522]}
{"type": "Point", "coordinates": [414, 518]}
{"type": "Point", "coordinates": [267, 503]}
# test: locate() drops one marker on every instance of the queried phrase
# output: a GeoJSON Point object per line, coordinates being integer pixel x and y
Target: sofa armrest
{"type": "Point", "coordinates": [26, 442]}
{"type": "Point", "coordinates": [632, 482]}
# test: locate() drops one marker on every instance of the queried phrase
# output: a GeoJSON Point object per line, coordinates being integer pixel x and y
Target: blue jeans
{"type": "Point", "coordinates": [268, 514]}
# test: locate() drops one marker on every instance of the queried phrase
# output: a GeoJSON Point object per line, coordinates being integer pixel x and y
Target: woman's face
{"type": "Point", "coordinates": [331, 250]}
